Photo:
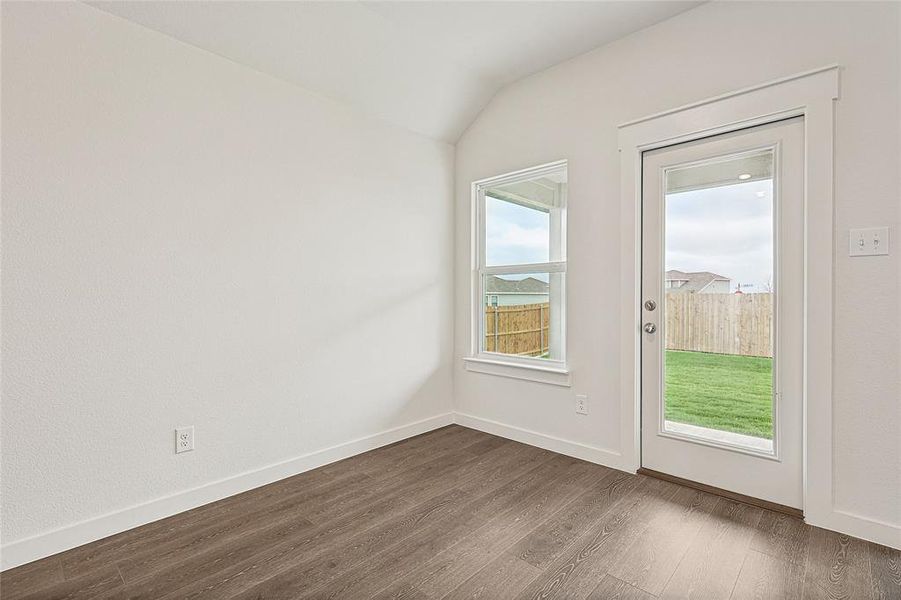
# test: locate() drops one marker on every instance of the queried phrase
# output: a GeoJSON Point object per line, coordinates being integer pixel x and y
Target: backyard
{"type": "Point", "coordinates": [717, 373]}
{"type": "Point", "coordinates": [720, 391]}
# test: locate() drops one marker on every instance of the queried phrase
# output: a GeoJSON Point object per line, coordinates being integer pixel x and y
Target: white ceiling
{"type": "Point", "coordinates": [426, 66]}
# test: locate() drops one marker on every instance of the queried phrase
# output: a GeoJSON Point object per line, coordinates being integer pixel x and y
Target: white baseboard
{"type": "Point", "coordinates": [46, 544]}
{"type": "Point", "coordinates": [887, 534]}
{"type": "Point", "coordinates": [600, 456]}
{"type": "Point", "coordinates": [880, 532]}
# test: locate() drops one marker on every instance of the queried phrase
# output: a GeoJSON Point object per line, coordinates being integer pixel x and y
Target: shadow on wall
{"type": "Point", "coordinates": [371, 368]}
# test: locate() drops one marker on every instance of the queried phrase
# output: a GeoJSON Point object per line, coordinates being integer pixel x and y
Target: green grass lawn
{"type": "Point", "coordinates": [725, 392]}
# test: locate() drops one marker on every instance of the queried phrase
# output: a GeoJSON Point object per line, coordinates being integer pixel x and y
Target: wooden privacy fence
{"type": "Point", "coordinates": [720, 323]}
{"type": "Point", "coordinates": [520, 329]}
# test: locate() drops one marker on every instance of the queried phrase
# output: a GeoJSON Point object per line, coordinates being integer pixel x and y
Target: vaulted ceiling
{"type": "Point", "coordinates": [427, 66]}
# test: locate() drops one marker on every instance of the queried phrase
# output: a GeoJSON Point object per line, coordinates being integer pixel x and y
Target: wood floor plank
{"type": "Point", "coordinates": [463, 471]}
{"type": "Point", "coordinates": [400, 465]}
{"type": "Point", "coordinates": [288, 572]}
{"type": "Point", "coordinates": [612, 588]}
{"type": "Point", "coordinates": [99, 584]}
{"type": "Point", "coordinates": [653, 557]}
{"type": "Point", "coordinates": [486, 445]}
{"type": "Point", "coordinates": [712, 563]}
{"type": "Point", "coordinates": [811, 591]}
{"type": "Point", "coordinates": [549, 540]}
{"type": "Point", "coordinates": [578, 570]}
{"type": "Point", "coordinates": [765, 577]}
{"type": "Point", "coordinates": [451, 470]}
{"type": "Point", "coordinates": [839, 564]}
{"type": "Point", "coordinates": [782, 537]}
{"type": "Point", "coordinates": [555, 489]}
{"type": "Point", "coordinates": [402, 592]}
{"type": "Point", "coordinates": [458, 513]}
{"type": "Point", "coordinates": [361, 506]}
{"type": "Point", "coordinates": [220, 576]}
{"type": "Point", "coordinates": [31, 578]}
{"type": "Point", "coordinates": [149, 537]}
{"type": "Point", "coordinates": [139, 564]}
{"type": "Point", "coordinates": [504, 578]}
{"type": "Point", "coordinates": [174, 574]}
{"type": "Point", "coordinates": [493, 471]}
{"type": "Point", "coordinates": [368, 578]}
{"type": "Point", "coordinates": [301, 558]}
{"type": "Point", "coordinates": [885, 572]}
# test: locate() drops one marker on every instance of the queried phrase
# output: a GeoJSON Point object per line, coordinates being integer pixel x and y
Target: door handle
{"type": "Point", "coordinates": [649, 328]}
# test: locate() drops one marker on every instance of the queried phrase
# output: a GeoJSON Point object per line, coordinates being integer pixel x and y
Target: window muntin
{"type": "Point", "coordinates": [519, 288]}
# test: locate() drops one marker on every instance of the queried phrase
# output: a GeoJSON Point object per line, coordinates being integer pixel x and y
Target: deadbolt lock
{"type": "Point", "coordinates": [650, 305]}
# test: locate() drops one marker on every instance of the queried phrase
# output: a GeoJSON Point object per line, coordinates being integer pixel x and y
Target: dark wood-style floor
{"type": "Point", "coordinates": [456, 513]}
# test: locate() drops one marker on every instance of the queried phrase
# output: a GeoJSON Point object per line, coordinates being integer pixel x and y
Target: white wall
{"type": "Point", "coordinates": [572, 111]}
{"type": "Point", "coordinates": [188, 241]}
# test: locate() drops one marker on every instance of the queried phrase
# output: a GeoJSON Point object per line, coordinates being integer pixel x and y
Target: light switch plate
{"type": "Point", "coordinates": [873, 241]}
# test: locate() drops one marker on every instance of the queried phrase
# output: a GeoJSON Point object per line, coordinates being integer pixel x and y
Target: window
{"type": "Point", "coordinates": [519, 280]}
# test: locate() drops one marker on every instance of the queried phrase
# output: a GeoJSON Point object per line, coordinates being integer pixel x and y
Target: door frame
{"type": "Point", "coordinates": [773, 473]}
{"type": "Point", "coordinates": [810, 94]}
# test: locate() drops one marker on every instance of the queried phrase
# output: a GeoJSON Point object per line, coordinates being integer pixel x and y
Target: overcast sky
{"type": "Point", "coordinates": [515, 235]}
{"type": "Point", "coordinates": [726, 230]}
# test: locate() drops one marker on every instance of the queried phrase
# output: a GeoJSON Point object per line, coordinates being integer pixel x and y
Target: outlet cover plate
{"type": "Point", "coordinates": [184, 439]}
{"type": "Point", "coordinates": [582, 404]}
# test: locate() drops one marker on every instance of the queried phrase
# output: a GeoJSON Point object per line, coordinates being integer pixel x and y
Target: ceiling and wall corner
{"type": "Point", "coordinates": [426, 66]}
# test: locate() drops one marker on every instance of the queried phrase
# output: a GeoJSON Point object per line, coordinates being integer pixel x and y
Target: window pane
{"type": "Point", "coordinates": [522, 315]}
{"type": "Point", "coordinates": [719, 300]}
{"type": "Point", "coordinates": [515, 234]}
{"type": "Point", "coordinates": [523, 221]}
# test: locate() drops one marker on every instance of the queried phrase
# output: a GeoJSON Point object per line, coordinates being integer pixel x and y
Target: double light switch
{"type": "Point", "coordinates": [873, 241]}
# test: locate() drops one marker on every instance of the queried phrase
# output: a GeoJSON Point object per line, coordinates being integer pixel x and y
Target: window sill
{"type": "Point", "coordinates": [537, 373]}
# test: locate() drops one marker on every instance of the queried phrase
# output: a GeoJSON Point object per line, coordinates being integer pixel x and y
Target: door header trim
{"type": "Point", "coordinates": [759, 86]}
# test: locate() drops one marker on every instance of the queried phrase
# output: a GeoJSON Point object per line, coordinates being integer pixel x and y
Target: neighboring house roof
{"type": "Point", "coordinates": [529, 285]}
{"type": "Point", "coordinates": [694, 282]}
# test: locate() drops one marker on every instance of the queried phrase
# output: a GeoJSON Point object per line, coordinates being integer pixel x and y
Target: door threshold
{"type": "Point", "coordinates": [765, 504]}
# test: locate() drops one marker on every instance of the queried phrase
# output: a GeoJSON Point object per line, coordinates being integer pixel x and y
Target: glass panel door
{"type": "Point", "coordinates": [722, 315]}
{"type": "Point", "coordinates": [718, 299]}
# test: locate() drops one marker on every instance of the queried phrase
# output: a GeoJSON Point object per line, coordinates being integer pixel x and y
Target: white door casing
{"type": "Point", "coordinates": [811, 94]}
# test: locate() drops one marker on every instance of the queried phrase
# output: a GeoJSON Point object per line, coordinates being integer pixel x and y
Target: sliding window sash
{"type": "Point", "coordinates": [556, 268]}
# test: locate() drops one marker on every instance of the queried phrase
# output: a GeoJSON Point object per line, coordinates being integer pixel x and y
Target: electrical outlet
{"type": "Point", "coordinates": [868, 242]}
{"type": "Point", "coordinates": [582, 404]}
{"type": "Point", "coordinates": [184, 439]}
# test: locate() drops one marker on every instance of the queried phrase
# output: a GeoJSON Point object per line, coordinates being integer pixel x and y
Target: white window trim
{"type": "Point", "coordinates": [503, 368]}
{"type": "Point", "coordinates": [541, 370]}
